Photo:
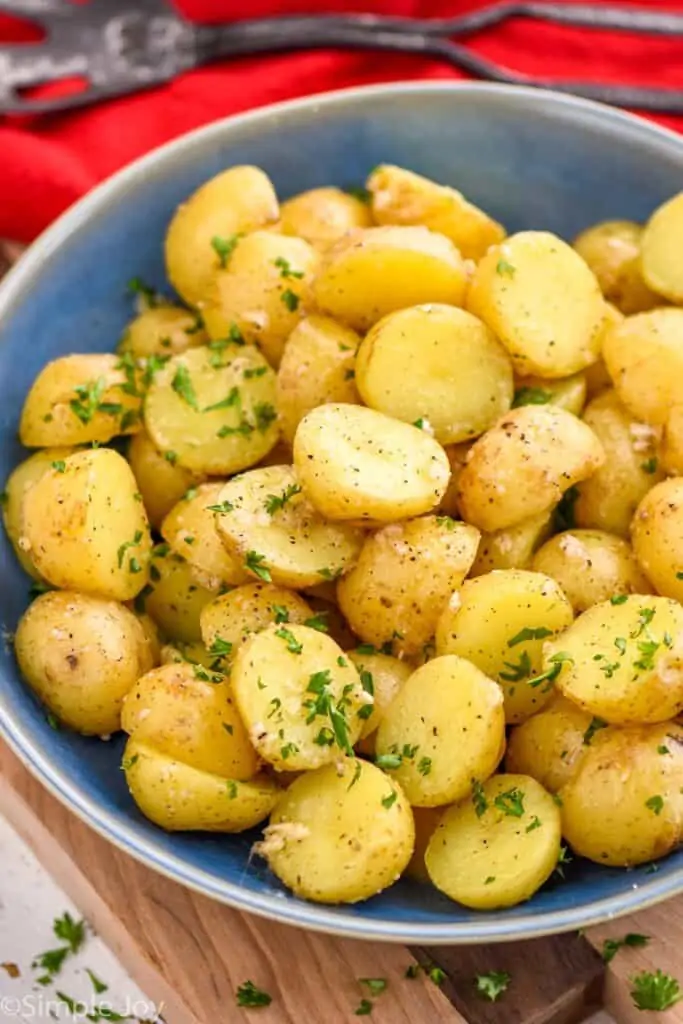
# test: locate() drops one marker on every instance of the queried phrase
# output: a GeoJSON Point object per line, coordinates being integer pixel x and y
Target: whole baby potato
{"type": "Point", "coordinates": [661, 263]}
{"type": "Point", "coordinates": [78, 399]}
{"type": "Point", "coordinates": [400, 196]}
{"type": "Point", "coordinates": [499, 622]}
{"type": "Point", "coordinates": [512, 547]}
{"type": "Point", "coordinates": [607, 499]}
{"type": "Point", "coordinates": [317, 367]}
{"type": "Point", "coordinates": [624, 805]}
{"type": "Point", "coordinates": [437, 364]}
{"type": "Point", "coordinates": [323, 215]}
{"type": "Point", "coordinates": [550, 745]}
{"type": "Point", "coordinates": [591, 566]}
{"type": "Point", "coordinates": [522, 466]}
{"type": "Point", "coordinates": [180, 798]}
{"type": "Point", "coordinates": [612, 251]}
{"type": "Point", "coordinates": [163, 330]}
{"type": "Point", "coordinates": [340, 834]}
{"type": "Point", "coordinates": [541, 300]}
{"type": "Point", "coordinates": [445, 727]}
{"type": "Point", "coordinates": [161, 482]}
{"type": "Point", "coordinates": [370, 273]}
{"type": "Point", "coordinates": [187, 712]}
{"type": "Point", "coordinates": [498, 848]}
{"type": "Point", "coordinates": [657, 537]}
{"type": "Point", "coordinates": [237, 200]}
{"type": "Point", "coordinates": [85, 528]}
{"type": "Point", "coordinates": [644, 357]}
{"type": "Point", "coordinates": [260, 291]}
{"type": "Point", "coordinates": [405, 575]}
{"type": "Point", "coordinates": [190, 530]}
{"type": "Point", "coordinates": [622, 660]}
{"type": "Point", "coordinates": [81, 655]}
{"type": "Point", "coordinates": [360, 465]}
{"type": "Point", "coordinates": [383, 676]}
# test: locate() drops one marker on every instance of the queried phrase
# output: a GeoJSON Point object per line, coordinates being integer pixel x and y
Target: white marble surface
{"type": "Point", "coordinates": [29, 903]}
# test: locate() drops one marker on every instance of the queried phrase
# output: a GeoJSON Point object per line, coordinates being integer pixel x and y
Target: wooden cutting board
{"type": "Point", "coordinates": [191, 954]}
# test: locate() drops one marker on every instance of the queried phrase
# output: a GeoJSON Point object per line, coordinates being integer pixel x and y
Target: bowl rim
{"type": "Point", "coordinates": [339, 921]}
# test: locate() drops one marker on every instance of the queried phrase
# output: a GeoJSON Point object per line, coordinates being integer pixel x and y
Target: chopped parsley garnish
{"type": "Point", "coordinates": [281, 613]}
{"type": "Point", "coordinates": [611, 947]}
{"type": "Point", "coordinates": [243, 429]}
{"type": "Point", "coordinates": [89, 399]}
{"type": "Point", "coordinates": [505, 269]}
{"type": "Point", "coordinates": [253, 561]}
{"type": "Point", "coordinates": [290, 299]}
{"type": "Point", "coordinates": [551, 674]}
{"type": "Point", "coordinates": [322, 704]}
{"type": "Point", "coordinates": [231, 787]}
{"type": "Point", "coordinates": [492, 985]}
{"type": "Point", "coordinates": [368, 684]}
{"type": "Point", "coordinates": [390, 800]}
{"type": "Point", "coordinates": [72, 934]}
{"type": "Point", "coordinates": [655, 804]}
{"type": "Point", "coordinates": [285, 268]}
{"type": "Point", "coordinates": [424, 765]}
{"type": "Point", "coordinates": [318, 622]}
{"type": "Point", "coordinates": [153, 364]}
{"type": "Point", "coordinates": [618, 599]}
{"type": "Point", "coordinates": [350, 375]}
{"type": "Point", "coordinates": [330, 574]}
{"type": "Point", "coordinates": [255, 371]}
{"type": "Point", "coordinates": [478, 798]}
{"type": "Point", "coordinates": [59, 466]}
{"type": "Point", "coordinates": [293, 644]}
{"type": "Point", "coordinates": [446, 521]}
{"type": "Point", "coordinates": [535, 823]}
{"type": "Point", "coordinates": [359, 192]}
{"type": "Point", "coordinates": [171, 457]}
{"type": "Point", "coordinates": [595, 725]}
{"type": "Point", "coordinates": [647, 650]}
{"type": "Point", "coordinates": [98, 985]}
{"type": "Point", "coordinates": [223, 508]}
{"type": "Point", "coordinates": [249, 995]}
{"type": "Point", "coordinates": [656, 991]}
{"type": "Point", "coordinates": [220, 648]}
{"type": "Point", "coordinates": [649, 466]}
{"type": "Point", "coordinates": [224, 247]}
{"type": "Point", "coordinates": [530, 633]}
{"type": "Point", "coordinates": [138, 287]}
{"type": "Point", "coordinates": [121, 553]}
{"type": "Point", "coordinates": [645, 617]}
{"type": "Point", "coordinates": [232, 400]}
{"type": "Point", "coordinates": [388, 762]}
{"type": "Point", "coordinates": [288, 750]}
{"type": "Point", "coordinates": [275, 502]}
{"type": "Point", "coordinates": [511, 802]}
{"type": "Point", "coordinates": [183, 386]}
{"type": "Point", "coordinates": [517, 670]}
{"type": "Point", "coordinates": [364, 1009]}
{"type": "Point", "coordinates": [265, 415]}
{"type": "Point", "coordinates": [276, 704]}
{"type": "Point", "coordinates": [374, 985]}
{"type": "Point", "coordinates": [562, 860]}
{"type": "Point", "coordinates": [531, 396]}
{"type": "Point", "coordinates": [663, 749]}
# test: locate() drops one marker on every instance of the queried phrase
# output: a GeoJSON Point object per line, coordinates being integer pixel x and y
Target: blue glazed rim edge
{"type": "Point", "coordinates": [316, 917]}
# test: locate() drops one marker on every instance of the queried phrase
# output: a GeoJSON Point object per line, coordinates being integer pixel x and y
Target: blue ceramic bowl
{"type": "Point", "coordinates": [534, 160]}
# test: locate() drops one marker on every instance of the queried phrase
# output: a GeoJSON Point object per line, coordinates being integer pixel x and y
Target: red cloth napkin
{"type": "Point", "coordinates": [46, 163]}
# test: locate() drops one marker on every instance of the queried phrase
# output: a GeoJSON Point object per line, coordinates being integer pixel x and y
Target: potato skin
{"type": "Point", "coordinates": [370, 273]}
{"type": "Point", "coordinates": [513, 547]}
{"type": "Point", "coordinates": [487, 854]}
{"type": "Point", "coordinates": [612, 251]}
{"type": "Point", "coordinates": [190, 530]}
{"type": "Point", "coordinates": [569, 393]}
{"type": "Point", "coordinates": [333, 842]}
{"type": "Point", "coordinates": [657, 537]}
{"type": "Point", "coordinates": [86, 529]}
{"type": "Point", "coordinates": [323, 215]}
{"type": "Point", "coordinates": [405, 575]}
{"type": "Point", "coordinates": [179, 798]}
{"type": "Point", "coordinates": [591, 566]}
{"type": "Point", "coordinates": [437, 363]}
{"type": "Point", "coordinates": [174, 598]}
{"type": "Point", "coordinates": [499, 622]}
{"type": "Point", "coordinates": [160, 482]}
{"type": "Point", "coordinates": [523, 465]}
{"type": "Point", "coordinates": [542, 301]}
{"type": "Point", "coordinates": [81, 655]}
{"type": "Point", "coordinates": [550, 745]}
{"type": "Point", "coordinates": [357, 464]}
{"type": "Point", "coordinates": [661, 263]}
{"type": "Point", "coordinates": [622, 660]}
{"type": "Point", "coordinates": [671, 445]}
{"type": "Point", "coordinates": [388, 675]}
{"type": "Point", "coordinates": [317, 367]}
{"type": "Point", "coordinates": [400, 196]}
{"type": "Point", "coordinates": [162, 330]}
{"type": "Point", "coordinates": [188, 714]}
{"type": "Point", "coordinates": [238, 199]}
{"type": "Point", "coordinates": [608, 498]}
{"type": "Point", "coordinates": [644, 357]}
{"type": "Point", "coordinates": [449, 715]}
{"type": "Point", "coordinates": [624, 805]}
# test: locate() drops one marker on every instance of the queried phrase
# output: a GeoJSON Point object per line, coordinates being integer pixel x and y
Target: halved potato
{"type": "Point", "coordinates": [190, 530]}
{"type": "Point", "coordinates": [661, 262]}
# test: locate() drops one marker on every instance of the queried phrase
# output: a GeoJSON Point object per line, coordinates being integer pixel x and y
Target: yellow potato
{"type": "Point", "coordinates": [671, 445]}
{"type": "Point", "coordinates": [190, 530]}
{"type": "Point", "coordinates": [541, 300]}
{"type": "Point", "coordinates": [403, 197]}
{"type": "Point", "coordinates": [229, 620]}
{"type": "Point", "coordinates": [340, 834]}
{"type": "Point", "coordinates": [271, 529]}
{"type": "Point", "coordinates": [523, 465]}
{"type": "Point", "coordinates": [85, 528]}
{"type": "Point", "coordinates": [173, 598]}
{"type": "Point", "coordinates": [161, 482]}
{"type": "Point", "coordinates": [180, 798]}
{"type": "Point", "coordinates": [624, 805]}
{"type": "Point", "coordinates": [323, 215]}
{"type": "Point", "coordinates": [81, 655]}
{"type": "Point", "coordinates": [622, 660]}
{"type": "Point", "coordinates": [403, 580]}
{"type": "Point", "coordinates": [591, 566]}
{"type": "Point", "coordinates": [608, 499]}
{"type": "Point", "coordinates": [194, 652]}
{"type": "Point", "coordinates": [438, 365]}
{"type": "Point", "coordinates": [18, 483]}
{"type": "Point", "coordinates": [357, 464]}
{"type": "Point", "coordinates": [568, 393]}
{"type": "Point", "coordinates": [512, 548]}
{"type": "Point", "coordinates": [445, 727]}
{"type": "Point", "coordinates": [80, 398]}
{"type": "Point", "coordinates": [612, 251]}
{"type": "Point", "coordinates": [499, 622]}
{"type": "Point", "coordinates": [317, 367]}
{"type": "Point", "coordinates": [661, 262]}
{"type": "Point", "coordinates": [203, 228]}
{"type": "Point", "coordinates": [426, 819]}
{"type": "Point", "coordinates": [371, 273]}
{"type": "Point", "coordinates": [550, 745]}
{"type": "Point", "coordinates": [301, 699]}
{"type": "Point", "coordinates": [187, 713]}
{"type": "Point", "coordinates": [153, 640]}
{"type": "Point", "coordinates": [498, 848]}
{"type": "Point", "coordinates": [644, 357]}
{"type": "Point", "coordinates": [383, 676]}
{"type": "Point", "coordinates": [596, 375]}
{"type": "Point", "coordinates": [657, 537]}
{"type": "Point", "coordinates": [261, 291]}
{"type": "Point", "coordinates": [162, 330]}
{"type": "Point", "coordinates": [212, 410]}
{"type": "Point", "coordinates": [457, 458]}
